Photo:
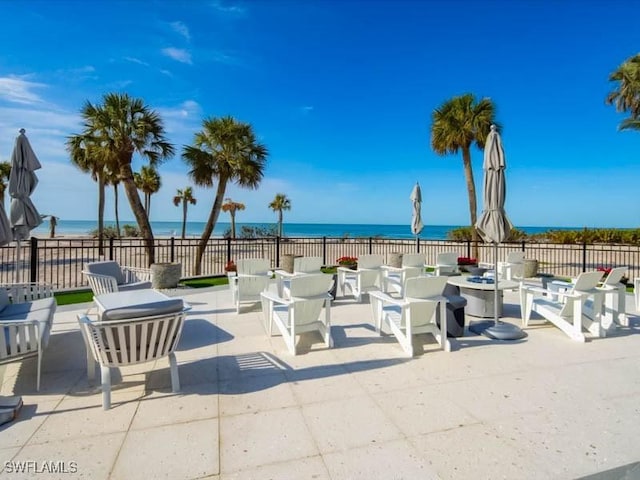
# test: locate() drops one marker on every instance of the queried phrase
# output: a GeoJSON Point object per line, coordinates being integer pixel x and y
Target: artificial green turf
{"type": "Point", "coordinates": [205, 282]}
{"type": "Point", "coordinates": [68, 298]}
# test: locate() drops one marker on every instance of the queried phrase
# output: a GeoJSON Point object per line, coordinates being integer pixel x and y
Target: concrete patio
{"type": "Point", "coordinates": [544, 407]}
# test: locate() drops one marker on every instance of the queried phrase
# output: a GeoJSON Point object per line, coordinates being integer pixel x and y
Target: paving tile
{"type": "Point", "coordinates": [396, 459]}
{"type": "Point", "coordinates": [185, 450]}
{"type": "Point", "coordinates": [352, 422]}
{"type": "Point", "coordinates": [262, 438]}
{"type": "Point", "coordinates": [311, 467]}
{"type": "Point", "coordinates": [247, 394]}
{"type": "Point", "coordinates": [195, 402]}
{"type": "Point", "coordinates": [321, 383]}
{"type": "Point", "coordinates": [6, 454]}
{"type": "Point", "coordinates": [30, 419]}
{"type": "Point", "coordinates": [89, 457]}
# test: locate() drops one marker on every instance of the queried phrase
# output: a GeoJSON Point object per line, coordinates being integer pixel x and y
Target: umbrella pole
{"type": "Point", "coordinates": [18, 266]}
{"type": "Point", "coordinates": [495, 285]}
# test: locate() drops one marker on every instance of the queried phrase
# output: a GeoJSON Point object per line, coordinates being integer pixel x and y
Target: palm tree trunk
{"type": "Point", "coordinates": [233, 224]}
{"type": "Point", "coordinates": [280, 223]}
{"type": "Point", "coordinates": [100, 213]}
{"type": "Point", "coordinates": [149, 207]}
{"type": "Point", "coordinates": [471, 189]}
{"type": "Point", "coordinates": [211, 222]}
{"type": "Point", "coordinates": [115, 198]}
{"type": "Point", "coordinates": [126, 174]}
{"type": "Point", "coordinates": [184, 217]}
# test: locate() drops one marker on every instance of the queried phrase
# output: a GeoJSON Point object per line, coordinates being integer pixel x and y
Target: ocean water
{"type": "Point", "coordinates": [194, 229]}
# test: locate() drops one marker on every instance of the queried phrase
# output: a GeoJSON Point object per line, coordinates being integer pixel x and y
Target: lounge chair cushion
{"type": "Point", "coordinates": [43, 317]}
{"type": "Point", "coordinates": [108, 267]}
{"type": "Point", "coordinates": [149, 309]}
{"type": "Point", "coordinates": [14, 309]}
{"type": "Point", "coordinates": [124, 287]}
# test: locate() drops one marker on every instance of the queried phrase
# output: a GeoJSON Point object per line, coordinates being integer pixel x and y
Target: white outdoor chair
{"type": "Point", "coordinates": [512, 268]}
{"type": "Point", "coordinates": [366, 278]}
{"type": "Point", "coordinates": [446, 262]}
{"type": "Point", "coordinates": [251, 278]}
{"type": "Point", "coordinates": [108, 277]}
{"type": "Point", "coordinates": [26, 318]}
{"type": "Point", "coordinates": [415, 313]}
{"type": "Point", "coordinates": [394, 278]}
{"type": "Point", "coordinates": [302, 311]}
{"type": "Point", "coordinates": [569, 310]}
{"type": "Point", "coordinates": [301, 266]}
{"type": "Point", "coordinates": [119, 342]}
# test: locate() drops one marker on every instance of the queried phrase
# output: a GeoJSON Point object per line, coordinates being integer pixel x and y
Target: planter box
{"type": "Point", "coordinates": [165, 275]}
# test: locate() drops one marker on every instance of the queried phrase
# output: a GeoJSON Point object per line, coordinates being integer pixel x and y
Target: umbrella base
{"type": "Point", "coordinates": [498, 331]}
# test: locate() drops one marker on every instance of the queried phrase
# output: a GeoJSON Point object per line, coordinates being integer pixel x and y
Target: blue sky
{"type": "Point", "coordinates": [341, 93]}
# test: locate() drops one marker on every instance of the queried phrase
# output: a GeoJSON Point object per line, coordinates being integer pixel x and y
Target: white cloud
{"type": "Point", "coordinates": [227, 8]}
{"type": "Point", "coordinates": [181, 29]}
{"type": "Point", "coordinates": [178, 54]}
{"type": "Point", "coordinates": [166, 72]}
{"type": "Point", "coordinates": [17, 89]}
{"type": "Point", "coordinates": [136, 60]}
{"type": "Point", "coordinates": [306, 109]}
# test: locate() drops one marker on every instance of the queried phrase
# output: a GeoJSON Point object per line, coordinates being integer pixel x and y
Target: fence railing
{"type": "Point", "coordinates": [60, 261]}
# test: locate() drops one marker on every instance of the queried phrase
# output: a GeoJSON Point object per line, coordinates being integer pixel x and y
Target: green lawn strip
{"type": "Point", "coordinates": [205, 282]}
{"type": "Point", "coordinates": [68, 298]}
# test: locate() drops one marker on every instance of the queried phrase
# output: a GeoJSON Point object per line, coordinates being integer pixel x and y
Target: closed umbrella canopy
{"type": "Point", "coordinates": [5, 228]}
{"type": "Point", "coordinates": [24, 216]}
{"type": "Point", "coordinates": [416, 219]}
{"type": "Point", "coordinates": [493, 225]}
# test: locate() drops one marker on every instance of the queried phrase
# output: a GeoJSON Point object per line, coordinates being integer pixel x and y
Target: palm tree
{"type": "Point", "coordinates": [185, 197]}
{"type": "Point", "coordinates": [114, 180]}
{"type": "Point", "coordinates": [87, 155]}
{"type": "Point", "coordinates": [457, 124]}
{"type": "Point", "coordinates": [120, 127]}
{"type": "Point", "coordinates": [626, 97]}
{"type": "Point", "coordinates": [225, 150]}
{"type": "Point", "coordinates": [148, 181]}
{"type": "Point", "coordinates": [231, 207]}
{"type": "Point", "coordinates": [5, 170]}
{"type": "Point", "coordinates": [280, 203]}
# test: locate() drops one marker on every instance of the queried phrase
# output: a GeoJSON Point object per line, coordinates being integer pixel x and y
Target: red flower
{"type": "Point", "coordinates": [346, 260]}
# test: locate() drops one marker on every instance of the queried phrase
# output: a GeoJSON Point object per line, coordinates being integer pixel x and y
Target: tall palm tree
{"type": "Point", "coordinates": [231, 207]}
{"type": "Point", "coordinates": [120, 127]}
{"type": "Point", "coordinates": [113, 179]}
{"type": "Point", "coordinates": [148, 181]}
{"type": "Point", "coordinates": [88, 155]}
{"type": "Point", "coordinates": [626, 97]}
{"type": "Point", "coordinates": [185, 197]}
{"type": "Point", "coordinates": [5, 170]}
{"type": "Point", "coordinates": [225, 150]}
{"type": "Point", "coordinates": [280, 203]}
{"type": "Point", "coordinates": [457, 124]}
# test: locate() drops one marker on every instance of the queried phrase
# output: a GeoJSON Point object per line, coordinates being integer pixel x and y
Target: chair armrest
{"type": "Point", "coordinates": [385, 298]}
{"type": "Point", "coordinates": [346, 270]}
{"type": "Point", "coordinates": [275, 298]}
{"type": "Point", "coordinates": [283, 274]}
{"type": "Point", "coordinates": [390, 268]}
{"type": "Point", "coordinates": [136, 274]}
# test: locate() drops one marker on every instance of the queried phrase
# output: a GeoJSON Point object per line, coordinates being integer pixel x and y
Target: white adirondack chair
{"type": "Point", "coordinates": [366, 278]}
{"type": "Point", "coordinates": [301, 266]}
{"type": "Point", "coordinates": [446, 262]}
{"type": "Point", "coordinates": [251, 278]}
{"type": "Point", "coordinates": [302, 311]}
{"type": "Point", "coordinates": [394, 278]}
{"type": "Point", "coordinates": [415, 313]}
{"type": "Point", "coordinates": [512, 268]}
{"type": "Point", "coordinates": [568, 310]}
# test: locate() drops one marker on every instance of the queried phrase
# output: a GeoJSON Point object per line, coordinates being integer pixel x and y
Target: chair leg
{"type": "Point", "coordinates": [91, 367]}
{"type": "Point", "coordinates": [173, 366]}
{"type": "Point", "coordinates": [106, 387]}
{"type": "Point", "coordinates": [39, 368]}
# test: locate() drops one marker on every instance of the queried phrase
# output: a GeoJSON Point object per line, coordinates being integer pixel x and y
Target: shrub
{"type": "Point", "coordinates": [130, 231]}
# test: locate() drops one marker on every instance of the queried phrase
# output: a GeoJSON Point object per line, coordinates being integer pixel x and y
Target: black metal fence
{"type": "Point", "coordinates": [60, 261]}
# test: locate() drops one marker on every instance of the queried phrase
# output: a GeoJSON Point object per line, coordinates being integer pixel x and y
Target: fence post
{"type": "Point", "coordinates": [523, 244]}
{"type": "Point", "coordinates": [584, 256]}
{"type": "Point", "coordinates": [228, 249]}
{"type": "Point", "coordinates": [370, 245]}
{"type": "Point", "coordinates": [173, 249]}
{"type": "Point", "coordinates": [278, 251]}
{"type": "Point", "coordinates": [111, 248]}
{"type": "Point", "coordinates": [324, 250]}
{"type": "Point", "coordinates": [417, 244]}
{"type": "Point", "coordinates": [33, 264]}
{"type": "Point", "coordinates": [468, 248]}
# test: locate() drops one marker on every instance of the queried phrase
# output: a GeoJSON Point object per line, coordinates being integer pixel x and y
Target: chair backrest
{"type": "Point", "coordinates": [413, 260]}
{"type": "Point", "coordinates": [585, 282]}
{"type": "Point", "coordinates": [515, 257]}
{"type": "Point", "coordinates": [419, 289]}
{"type": "Point", "coordinates": [615, 275]}
{"type": "Point", "coordinates": [108, 267]}
{"type": "Point", "coordinates": [309, 293]}
{"type": "Point", "coordinates": [307, 264]}
{"type": "Point", "coordinates": [250, 286]}
{"type": "Point", "coordinates": [370, 261]}
{"type": "Point", "coordinates": [447, 259]}
{"type": "Point", "coordinates": [253, 266]}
